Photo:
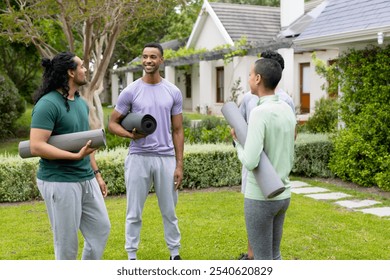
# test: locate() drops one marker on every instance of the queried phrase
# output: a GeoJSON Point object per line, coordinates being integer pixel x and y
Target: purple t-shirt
{"type": "Point", "coordinates": [162, 101]}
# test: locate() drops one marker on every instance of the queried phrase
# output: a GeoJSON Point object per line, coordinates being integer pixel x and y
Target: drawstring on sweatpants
{"type": "Point", "coordinates": [88, 188]}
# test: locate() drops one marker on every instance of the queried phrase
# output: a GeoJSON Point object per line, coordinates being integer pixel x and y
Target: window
{"type": "Point", "coordinates": [188, 85]}
{"type": "Point", "coordinates": [220, 85]}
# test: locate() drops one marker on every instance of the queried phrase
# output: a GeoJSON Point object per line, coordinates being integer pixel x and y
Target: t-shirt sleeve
{"type": "Point", "coordinates": [44, 115]}
{"type": "Point", "coordinates": [177, 107]}
{"type": "Point", "coordinates": [123, 104]}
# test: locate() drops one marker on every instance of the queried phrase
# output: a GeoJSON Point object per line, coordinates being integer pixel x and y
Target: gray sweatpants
{"type": "Point", "coordinates": [140, 172]}
{"type": "Point", "coordinates": [72, 206]}
{"type": "Point", "coordinates": [264, 224]}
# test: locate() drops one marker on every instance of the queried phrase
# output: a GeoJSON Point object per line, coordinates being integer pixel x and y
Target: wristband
{"type": "Point", "coordinates": [96, 171]}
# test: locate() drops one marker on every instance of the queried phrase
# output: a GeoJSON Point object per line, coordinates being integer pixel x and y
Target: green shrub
{"type": "Point", "coordinates": [18, 179]}
{"type": "Point", "coordinates": [111, 164]}
{"type": "Point", "coordinates": [205, 165]}
{"type": "Point", "coordinates": [12, 106]}
{"type": "Point", "coordinates": [382, 178]}
{"type": "Point", "coordinates": [211, 166]}
{"type": "Point", "coordinates": [325, 117]}
{"type": "Point", "coordinates": [312, 155]}
{"type": "Point", "coordinates": [364, 79]}
{"type": "Point", "coordinates": [114, 141]}
{"type": "Point", "coordinates": [210, 130]}
{"type": "Point", "coordinates": [362, 148]}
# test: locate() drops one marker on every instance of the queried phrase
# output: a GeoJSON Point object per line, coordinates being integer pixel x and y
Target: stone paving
{"type": "Point", "coordinates": [339, 198]}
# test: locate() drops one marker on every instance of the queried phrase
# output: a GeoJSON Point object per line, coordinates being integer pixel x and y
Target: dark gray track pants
{"type": "Point", "coordinates": [264, 224]}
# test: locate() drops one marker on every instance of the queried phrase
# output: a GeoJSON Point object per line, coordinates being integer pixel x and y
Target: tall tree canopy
{"type": "Point", "coordinates": [89, 28]}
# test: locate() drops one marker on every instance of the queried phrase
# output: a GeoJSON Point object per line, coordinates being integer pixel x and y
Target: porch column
{"type": "Point", "coordinates": [206, 90]}
{"type": "Point", "coordinates": [287, 81]}
{"type": "Point", "coordinates": [170, 74]}
{"type": "Point", "coordinates": [114, 88]}
{"type": "Point", "coordinates": [129, 78]}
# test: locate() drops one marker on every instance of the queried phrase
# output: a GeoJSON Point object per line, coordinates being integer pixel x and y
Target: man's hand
{"type": "Point", "coordinates": [102, 184]}
{"type": "Point", "coordinates": [135, 135]}
{"type": "Point", "coordinates": [178, 177]}
{"type": "Point", "coordinates": [86, 150]}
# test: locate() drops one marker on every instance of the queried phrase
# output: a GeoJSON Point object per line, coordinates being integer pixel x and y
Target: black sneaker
{"type": "Point", "coordinates": [243, 257]}
{"type": "Point", "coordinates": [175, 258]}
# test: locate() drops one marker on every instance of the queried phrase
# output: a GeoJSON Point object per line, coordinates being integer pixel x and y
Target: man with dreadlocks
{"type": "Point", "coordinates": [69, 182]}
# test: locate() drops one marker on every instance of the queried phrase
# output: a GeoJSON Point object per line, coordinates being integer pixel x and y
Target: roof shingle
{"type": "Point", "coordinates": [257, 23]}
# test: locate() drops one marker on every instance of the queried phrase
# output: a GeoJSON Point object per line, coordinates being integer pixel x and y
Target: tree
{"type": "Point", "coordinates": [21, 64]}
{"type": "Point", "coordinates": [11, 106]}
{"type": "Point", "coordinates": [90, 28]}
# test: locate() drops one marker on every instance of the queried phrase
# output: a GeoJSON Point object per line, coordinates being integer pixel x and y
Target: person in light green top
{"type": "Point", "coordinates": [271, 128]}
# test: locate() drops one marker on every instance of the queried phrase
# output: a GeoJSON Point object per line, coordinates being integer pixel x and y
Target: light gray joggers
{"type": "Point", "coordinates": [140, 172]}
{"type": "Point", "coordinates": [73, 206]}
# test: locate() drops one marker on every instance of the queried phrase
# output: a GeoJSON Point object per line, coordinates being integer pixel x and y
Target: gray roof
{"type": "Point", "coordinates": [257, 23]}
{"type": "Point", "coordinates": [349, 16]}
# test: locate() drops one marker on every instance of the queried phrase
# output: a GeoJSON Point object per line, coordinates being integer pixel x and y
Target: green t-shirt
{"type": "Point", "coordinates": [50, 114]}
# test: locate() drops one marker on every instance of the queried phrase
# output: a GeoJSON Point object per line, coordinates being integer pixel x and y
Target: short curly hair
{"type": "Point", "coordinates": [273, 55]}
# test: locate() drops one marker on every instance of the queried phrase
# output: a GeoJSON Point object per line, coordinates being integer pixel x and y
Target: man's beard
{"type": "Point", "coordinates": [81, 82]}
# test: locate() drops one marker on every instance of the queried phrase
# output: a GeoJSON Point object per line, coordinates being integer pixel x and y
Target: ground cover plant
{"type": "Point", "coordinates": [212, 226]}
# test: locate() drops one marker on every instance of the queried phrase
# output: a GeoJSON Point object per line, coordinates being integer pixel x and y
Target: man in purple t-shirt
{"type": "Point", "coordinates": [156, 158]}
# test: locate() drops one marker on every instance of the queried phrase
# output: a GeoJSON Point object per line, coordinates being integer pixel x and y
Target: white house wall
{"type": "Point", "coordinates": [287, 80]}
{"type": "Point", "coordinates": [210, 37]}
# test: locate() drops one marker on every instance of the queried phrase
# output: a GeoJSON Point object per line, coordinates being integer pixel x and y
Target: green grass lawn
{"type": "Point", "coordinates": [212, 227]}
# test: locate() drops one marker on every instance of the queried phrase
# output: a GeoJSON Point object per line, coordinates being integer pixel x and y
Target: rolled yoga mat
{"type": "Point", "coordinates": [71, 142]}
{"type": "Point", "coordinates": [143, 123]}
{"type": "Point", "coordinates": [269, 181]}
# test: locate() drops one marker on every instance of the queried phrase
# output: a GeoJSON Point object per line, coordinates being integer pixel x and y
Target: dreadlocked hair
{"type": "Point", "coordinates": [55, 76]}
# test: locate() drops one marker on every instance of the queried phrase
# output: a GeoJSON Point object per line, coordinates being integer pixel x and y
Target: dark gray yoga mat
{"type": "Point", "coordinates": [267, 178]}
{"type": "Point", "coordinates": [71, 142]}
{"type": "Point", "coordinates": [143, 123]}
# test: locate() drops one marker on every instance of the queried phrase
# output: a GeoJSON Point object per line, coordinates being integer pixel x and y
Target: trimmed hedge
{"type": "Point", "coordinates": [17, 179]}
{"type": "Point", "coordinates": [205, 165]}
{"type": "Point", "coordinates": [312, 155]}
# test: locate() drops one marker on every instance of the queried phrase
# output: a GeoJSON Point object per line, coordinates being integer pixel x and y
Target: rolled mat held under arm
{"type": "Point", "coordinates": [71, 142]}
{"type": "Point", "coordinates": [143, 123]}
{"type": "Point", "coordinates": [269, 181]}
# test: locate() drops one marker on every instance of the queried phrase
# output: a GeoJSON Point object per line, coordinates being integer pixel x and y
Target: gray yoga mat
{"type": "Point", "coordinates": [71, 142]}
{"type": "Point", "coordinates": [143, 123]}
{"type": "Point", "coordinates": [267, 178]}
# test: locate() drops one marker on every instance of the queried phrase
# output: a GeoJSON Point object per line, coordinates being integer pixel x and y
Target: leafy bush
{"type": "Point", "coordinates": [18, 179]}
{"type": "Point", "coordinates": [363, 147]}
{"type": "Point", "coordinates": [114, 141]}
{"type": "Point", "coordinates": [211, 130]}
{"type": "Point", "coordinates": [12, 106]}
{"type": "Point", "coordinates": [211, 166]}
{"type": "Point", "coordinates": [360, 149]}
{"type": "Point", "coordinates": [325, 116]}
{"type": "Point", "coordinates": [312, 155]}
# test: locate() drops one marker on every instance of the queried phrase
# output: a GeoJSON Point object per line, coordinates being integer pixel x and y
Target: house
{"type": "Point", "coordinates": [295, 30]}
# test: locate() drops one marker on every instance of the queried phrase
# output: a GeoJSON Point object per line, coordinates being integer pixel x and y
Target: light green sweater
{"type": "Point", "coordinates": [271, 127]}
